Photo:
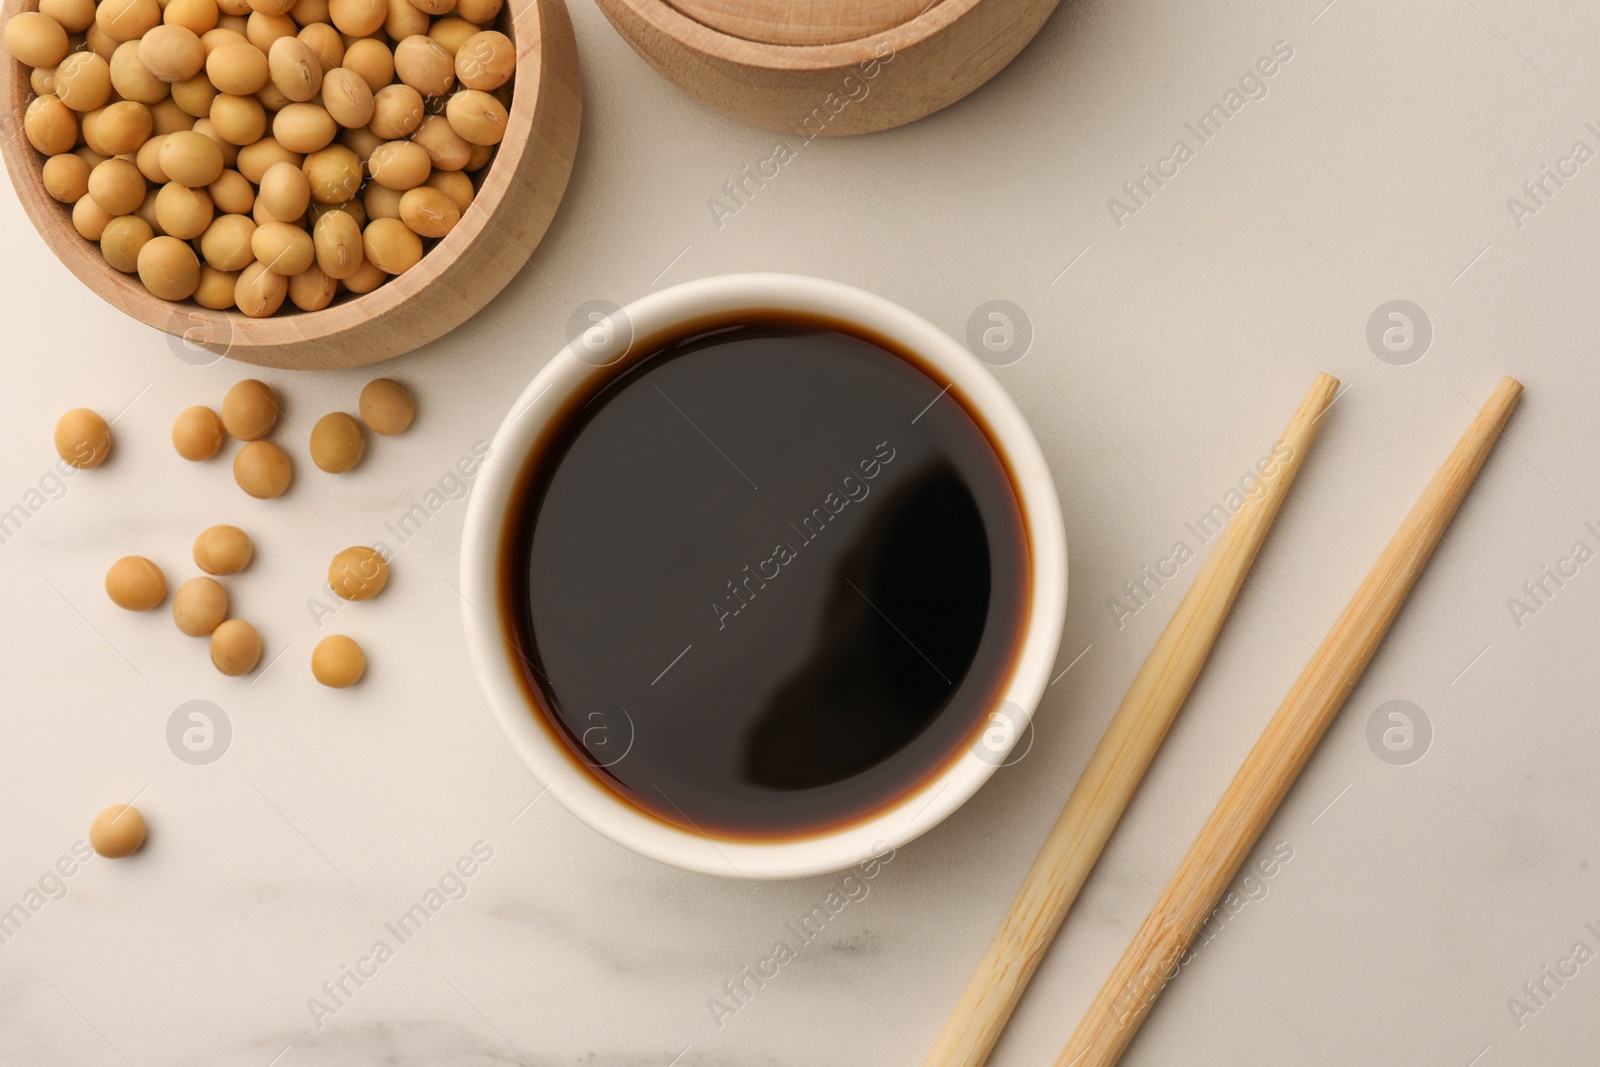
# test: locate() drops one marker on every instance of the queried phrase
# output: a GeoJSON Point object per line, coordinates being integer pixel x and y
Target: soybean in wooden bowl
{"type": "Point", "coordinates": [514, 198]}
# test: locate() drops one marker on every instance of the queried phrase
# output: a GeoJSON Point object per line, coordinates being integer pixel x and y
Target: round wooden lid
{"type": "Point", "coordinates": [801, 22]}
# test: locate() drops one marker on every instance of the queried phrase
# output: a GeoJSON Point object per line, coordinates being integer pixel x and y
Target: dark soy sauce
{"type": "Point", "coordinates": [767, 579]}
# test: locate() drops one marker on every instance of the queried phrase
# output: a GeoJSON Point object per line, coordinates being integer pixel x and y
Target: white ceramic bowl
{"type": "Point", "coordinates": [599, 353]}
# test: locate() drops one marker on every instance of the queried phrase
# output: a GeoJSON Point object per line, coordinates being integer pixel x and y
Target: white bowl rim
{"type": "Point", "coordinates": [582, 792]}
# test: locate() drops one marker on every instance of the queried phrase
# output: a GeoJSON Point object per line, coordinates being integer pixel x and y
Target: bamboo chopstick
{"type": "Point", "coordinates": [1280, 752]}
{"type": "Point", "coordinates": [1130, 742]}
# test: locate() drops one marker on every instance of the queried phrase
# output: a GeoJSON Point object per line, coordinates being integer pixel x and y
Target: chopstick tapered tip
{"type": "Point", "coordinates": [1497, 409]}
{"type": "Point", "coordinates": [1319, 398]}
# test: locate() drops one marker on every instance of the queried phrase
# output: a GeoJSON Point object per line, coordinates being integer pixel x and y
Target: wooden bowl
{"type": "Point", "coordinates": [828, 67]}
{"type": "Point", "coordinates": [517, 197]}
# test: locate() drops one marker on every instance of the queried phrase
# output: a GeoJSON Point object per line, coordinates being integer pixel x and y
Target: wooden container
{"type": "Point", "coordinates": [517, 197]}
{"type": "Point", "coordinates": [828, 67]}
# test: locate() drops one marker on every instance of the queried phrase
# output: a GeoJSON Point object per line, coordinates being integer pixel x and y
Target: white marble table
{"type": "Point", "coordinates": [1168, 352]}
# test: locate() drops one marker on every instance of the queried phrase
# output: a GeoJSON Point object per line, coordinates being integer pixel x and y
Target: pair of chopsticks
{"type": "Point", "coordinates": [1142, 720]}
